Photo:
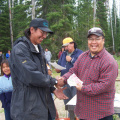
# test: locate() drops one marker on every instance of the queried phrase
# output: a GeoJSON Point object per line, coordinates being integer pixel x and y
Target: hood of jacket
{"type": "Point", "coordinates": [28, 43]}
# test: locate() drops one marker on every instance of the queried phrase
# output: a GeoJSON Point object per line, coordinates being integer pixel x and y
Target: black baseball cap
{"type": "Point", "coordinates": [41, 24]}
{"type": "Point", "coordinates": [95, 31]}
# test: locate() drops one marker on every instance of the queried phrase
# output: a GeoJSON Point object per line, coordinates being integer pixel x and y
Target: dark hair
{"type": "Point", "coordinates": [75, 45]}
{"type": "Point", "coordinates": [6, 62]}
{"type": "Point", "coordinates": [27, 32]}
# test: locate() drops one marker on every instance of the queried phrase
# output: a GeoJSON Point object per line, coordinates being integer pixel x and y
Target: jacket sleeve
{"type": "Point", "coordinates": [26, 70]}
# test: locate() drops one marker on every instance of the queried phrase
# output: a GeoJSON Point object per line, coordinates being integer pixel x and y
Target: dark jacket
{"type": "Point", "coordinates": [32, 86]}
{"type": "Point", "coordinates": [6, 99]}
{"type": "Point", "coordinates": [62, 61]}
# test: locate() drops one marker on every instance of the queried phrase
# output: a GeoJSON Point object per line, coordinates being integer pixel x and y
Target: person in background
{"type": "Point", "coordinates": [1, 57]}
{"type": "Point", "coordinates": [32, 86]}
{"type": "Point", "coordinates": [48, 55]}
{"type": "Point", "coordinates": [67, 60]}
{"type": "Point", "coordinates": [5, 88]}
{"type": "Point", "coordinates": [5, 80]}
{"type": "Point", "coordinates": [60, 52]}
{"type": "Point", "coordinates": [8, 54]}
{"type": "Point", "coordinates": [98, 70]}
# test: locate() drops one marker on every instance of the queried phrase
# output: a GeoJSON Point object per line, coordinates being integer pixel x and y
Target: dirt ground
{"type": "Point", "coordinates": [59, 105]}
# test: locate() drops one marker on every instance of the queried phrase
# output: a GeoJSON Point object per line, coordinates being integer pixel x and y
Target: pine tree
{"type": "Point", "coordinates": [5, 42]}
{"type": "Point", "coordinates": [84, 21]}
{"type": "Point", "coordinates": [103, 22]}
{"type": "Point", "coordinates": [116, 26]}
{"type": "Point", "coordinates": [21, 21]}
{"type": "Point", "coordinates": [60, 16]}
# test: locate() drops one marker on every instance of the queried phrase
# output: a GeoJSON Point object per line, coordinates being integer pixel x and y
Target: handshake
{"type": "Point", "coordinates": [59, 91]}
{"type": "Point", "coordinates": [73, 80]}
{"type": "Point", "coordinates": [60, 82]}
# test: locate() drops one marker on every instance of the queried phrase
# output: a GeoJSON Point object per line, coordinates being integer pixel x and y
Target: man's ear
{"type": "Point", "coordinates": [104, 40]}
{"type": "Point", "coordinates": [31, 30]}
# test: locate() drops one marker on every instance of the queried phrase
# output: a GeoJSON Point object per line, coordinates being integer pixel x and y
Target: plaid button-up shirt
{"type": "Point", "coordinates": [96, 98]}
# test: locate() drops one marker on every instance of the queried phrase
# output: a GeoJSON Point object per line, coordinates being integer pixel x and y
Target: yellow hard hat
{"type": "Point", "coordinates": [66, 41]}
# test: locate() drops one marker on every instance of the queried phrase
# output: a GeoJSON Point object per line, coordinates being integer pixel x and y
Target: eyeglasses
{"type": "Point", "coordinates": [96, 39]}
{"type": "Point", "coordinates": [44, 33]}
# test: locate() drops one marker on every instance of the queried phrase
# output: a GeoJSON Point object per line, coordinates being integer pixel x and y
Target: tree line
{"type": "Point", "coordinates": [71, 18]}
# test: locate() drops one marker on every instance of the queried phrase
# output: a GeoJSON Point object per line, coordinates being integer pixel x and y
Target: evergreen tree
{"type": "Point", "coordinates": [116, 27]}
{"type": "Point", "coordinates": [83, 22]}
{"type": "Point", "coordinates": [5, 42]}
{"type": "Point", "coordinates": [21, 21]}
{"type": "Point", "coordinates": [103, 22]}
{"type": "Point", "coordinates": [60, 16]}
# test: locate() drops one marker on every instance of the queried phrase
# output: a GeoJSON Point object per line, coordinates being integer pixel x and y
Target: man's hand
{"type": "Point", "coordinates": [60, 82]}
{"type": "Point", "coordinates": [79, 86]}
{"type": "Point", "coordinates": [68, 58]}
{"type": "Point", "coordinates": [59, 93]}
{"type": "Point", "coordinates": [57, 70]}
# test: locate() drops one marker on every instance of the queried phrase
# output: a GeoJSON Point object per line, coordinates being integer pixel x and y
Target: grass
{"type": "Point", "coordinates": [118, 60]}
{"type": "Point", "coordinates": [2, 110]}
{"type": "Point", "coordinates": [54, 73]}
{"type": "Point", "coordinates": [117, 83]}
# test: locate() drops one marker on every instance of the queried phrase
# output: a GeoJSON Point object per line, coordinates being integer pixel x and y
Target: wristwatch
{"type": "Point", "coordinates": [56, 82]}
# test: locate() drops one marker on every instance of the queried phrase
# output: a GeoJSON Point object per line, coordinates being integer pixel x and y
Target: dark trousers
{"type": "Point", "coordinates": [49, 116]}
{"type": "Point", "coordinates": [7, 114]}
{"type": "Point", "coordinates": [105, 118]}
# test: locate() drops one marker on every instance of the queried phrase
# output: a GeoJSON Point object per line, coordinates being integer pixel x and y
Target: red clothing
{"type": "Point", "coordinates": [59, 54]}
{"type": "Point", "coordinates": [96, 98]}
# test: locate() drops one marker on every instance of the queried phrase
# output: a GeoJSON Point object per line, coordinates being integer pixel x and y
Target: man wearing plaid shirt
{"type": "Point", "coordinates": [98, 70]}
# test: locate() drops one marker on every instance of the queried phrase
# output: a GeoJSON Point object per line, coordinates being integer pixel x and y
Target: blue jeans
{"type": "Point", "coordinates": [7, 114]}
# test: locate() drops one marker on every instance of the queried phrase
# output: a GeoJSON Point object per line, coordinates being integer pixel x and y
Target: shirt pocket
{"type": "Point", "coordinates": [94, 75]}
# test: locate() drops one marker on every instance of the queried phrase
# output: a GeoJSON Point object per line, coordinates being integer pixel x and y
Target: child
{"type": "Point", "coordinates": [6, 81]}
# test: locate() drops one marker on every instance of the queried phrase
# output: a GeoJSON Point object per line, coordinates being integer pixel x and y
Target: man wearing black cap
{"type": "Point", "coordinates": [98, 70]}
{"type": "Point", "coordinates": [32, 86]}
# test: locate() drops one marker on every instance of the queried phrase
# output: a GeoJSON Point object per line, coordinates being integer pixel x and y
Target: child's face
{"type": "Point", "coordinates": [6, 69]}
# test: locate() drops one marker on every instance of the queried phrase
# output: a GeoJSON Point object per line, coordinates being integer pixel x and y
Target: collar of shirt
{"type": "Point", "coordinates": [7, 76]}
{"type": "Point", "coordinates": [69, 54]}
{"type": "Point", "coordinates": [36, 48]}
{"type": "Point", "coordinates": [97, 55]}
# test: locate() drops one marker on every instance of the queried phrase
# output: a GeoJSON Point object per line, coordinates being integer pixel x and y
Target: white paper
{"type": "Point", "coordinates": [55, 65]}
{"type": "Point", "coordinates": [73, 80]}
{"type": "Point", "coordinates": [117, 100]}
